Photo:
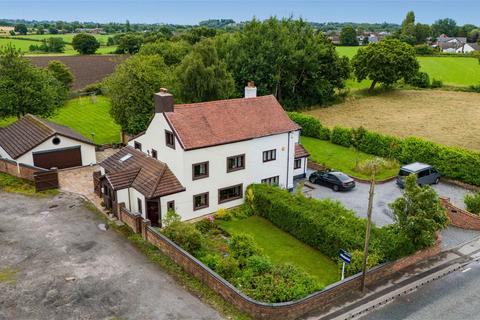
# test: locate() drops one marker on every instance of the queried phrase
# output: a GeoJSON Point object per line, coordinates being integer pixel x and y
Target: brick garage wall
{"type": "Point", "coordinates": [21, 171]}
{"type": "Point", "coordinates": [460, 218]}
{"type": "Point", "coordinates": [288, 310]}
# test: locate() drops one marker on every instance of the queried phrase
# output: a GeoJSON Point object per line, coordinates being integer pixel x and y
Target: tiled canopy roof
{"type": "Point", "coordinates": [212, 123]}
{"type": "Point", "coordinates": [30, 131]}
{"type": "Point", "coordinates": [149, 176]}
{"type": "Point", "coordinates": [300, 151]}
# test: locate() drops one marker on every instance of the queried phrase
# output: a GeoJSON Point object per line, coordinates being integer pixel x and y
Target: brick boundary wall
{"type": "Point", "coordinates": [130, 219]}
{"type": "Point", "coordinates": [317, 301]}
{"type": "Point", "coordinates": [21, 170]}
{"type": "Point", "coordinates": [460, 218]}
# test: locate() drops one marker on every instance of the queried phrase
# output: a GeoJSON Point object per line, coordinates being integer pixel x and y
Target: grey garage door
{"type": "Point", "coordinates": [60, 158]}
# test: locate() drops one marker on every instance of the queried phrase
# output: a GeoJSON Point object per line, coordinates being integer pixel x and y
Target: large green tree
{"type": "Point", "coordinates": [385, 62]}
{"type": "Point", "coordinates": [61, 72]}
{"type": "Point", "coordinates": [202, 76]}
{"type": "Point", "coordinates": [25, 88]}
{"type": "Point", "coordinates": [129, 43]}
{"type": "Point", "coordinates": [419, 213]}
{"type": "Point", "coordinates": [408, 24]}
{"type": "Point", "coordinates": [286, 58]}
{"type": "Point", "coordinates": [422, 32]}
{"type": "Point", "coordinates": [445, 26]}
{"type": "Point", "coordinates": [348, 36]}
{"type": "Point", "coordinates": [85, 43]}
{"type": "Point", "coordinates": [131, 88]}
{"type": "Point", "coordinates": [21, 29]}
{"type": "Point", "coordinates": [172, 52]}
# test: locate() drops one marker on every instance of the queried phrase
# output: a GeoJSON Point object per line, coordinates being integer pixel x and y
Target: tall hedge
{"type": "Point", "coordinates": [456, 163]}
{"type": "Point", "coordinates": [311, 127]}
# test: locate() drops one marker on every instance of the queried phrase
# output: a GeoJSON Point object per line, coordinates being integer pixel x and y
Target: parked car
{"type": "Point", "coordinates": [426, 174]}
{"type": "Point", "coordinates": [334, 179]}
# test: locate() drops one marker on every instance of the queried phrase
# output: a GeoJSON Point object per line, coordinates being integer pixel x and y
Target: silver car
{"type": "Point", "coordinates": [426, 174]}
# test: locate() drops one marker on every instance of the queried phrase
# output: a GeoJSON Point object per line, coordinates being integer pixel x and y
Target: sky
{"type": "Point", "coordinates": [193, 11]}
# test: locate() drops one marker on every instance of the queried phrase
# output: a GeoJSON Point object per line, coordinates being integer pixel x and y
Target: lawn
{"type": "Point", "coordinates": [102, 38]}
{"type": "Point", "coordinates": [85, 117]}
{"type": "Point", "coordinates": [10, 183]}
{"type": "Point", "coordinates": [342, 158]}
{"type": "Point", "coordinates": [281, 247]}
{"type": "Point", "coordinates": [446, 117]}
{"type": "Point", "coordinates": [453, 71]}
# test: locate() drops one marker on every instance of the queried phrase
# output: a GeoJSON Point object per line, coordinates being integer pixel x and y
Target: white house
{"type": "Point", "coordinates": [41, 143]}
{"type": "Point", "coordinates": [197, 158]}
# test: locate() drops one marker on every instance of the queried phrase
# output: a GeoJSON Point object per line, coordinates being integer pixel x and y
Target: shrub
{"type": "Point", "coordinates": [342, 136]}
{"type": "Point", "coordinates": [223, 214]}
{"type": "Point", "coordinates": [311, 127]}
{"type": "Point", "coordinates": [475, 88]}
{"type": "Point", "coordinates": [259, 264]}
{"type": "Point", "coordinates": [205, 225]}
{"type": "Point", "coordinates": [424, 49]}
{"type": "Point", "coordinates": [380, 145]}
{"type": "Point", "coordinates": [420, 80]}
{"type": "Point", "coordinates": [228, 268]}
{"type": "Point", "coordinates": [436, 83]}
{"type": "Point", "coordinates": [242, 246]}
{"type": "Point", "coordinates": [211, 260]}
{"type": "Point", "coordinates": [356, 263]}
{"type": "Point", "coordinates": [93, 88]}
{"type": "Point", "coordinates": [472, 202]}
{"type": "Point", "coordinates": [185, 235]}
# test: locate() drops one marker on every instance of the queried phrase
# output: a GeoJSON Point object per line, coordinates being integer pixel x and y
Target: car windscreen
{"type": "Point", "coordinates": [404, 173]}
{"type": "Point", "coordinates": [343, 177]}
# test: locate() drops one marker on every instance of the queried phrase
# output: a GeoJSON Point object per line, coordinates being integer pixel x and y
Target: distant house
{"type": "Point", "coordinates": [450, 44]}
{"type": "Point", "coordinates": [41, 143]}
{"type": "Point", "coordinates": [90, 30]}
{"type": "Point", "coordinates": [469, 48]}
{"type": "Point", "coordinates": [197, 158]}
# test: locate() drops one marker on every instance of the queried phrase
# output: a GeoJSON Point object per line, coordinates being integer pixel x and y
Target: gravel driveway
{"type": "Point", "coordinates": [56, 263]}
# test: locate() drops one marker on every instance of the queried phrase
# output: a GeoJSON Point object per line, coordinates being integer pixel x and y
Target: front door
{"type": "Point", "coordinates": [153, 213]}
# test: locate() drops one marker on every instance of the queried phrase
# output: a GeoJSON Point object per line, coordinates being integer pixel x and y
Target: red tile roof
{"type": "Point", "coordinates": [30, 131]}
{"type": "Point", "coordinates": [149, 176]}
{"type": "Point", "coordinates": [212, 123]}
{"type": "Point", "coordinates": [300, 151]}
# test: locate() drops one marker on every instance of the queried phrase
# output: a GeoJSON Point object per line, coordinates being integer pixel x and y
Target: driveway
{"type": "Point", "coordinates": [56, 263]}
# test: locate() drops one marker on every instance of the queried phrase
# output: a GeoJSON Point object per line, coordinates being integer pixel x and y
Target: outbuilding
{"type": "Point", "coordinates": [41, 143]}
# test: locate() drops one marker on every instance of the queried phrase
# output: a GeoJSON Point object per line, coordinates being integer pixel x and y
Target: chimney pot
{"type": "Point", "coordinates": [163, 101]}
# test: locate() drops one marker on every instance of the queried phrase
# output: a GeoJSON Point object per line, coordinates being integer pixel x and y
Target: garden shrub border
{"type": "Point", "coordinates": [453, 162]}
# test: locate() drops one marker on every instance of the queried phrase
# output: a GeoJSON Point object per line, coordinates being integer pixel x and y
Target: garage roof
{"type": "Point", "coordinates": [30, 131]}
{"type": "Point", "coordinates": [132, 168]}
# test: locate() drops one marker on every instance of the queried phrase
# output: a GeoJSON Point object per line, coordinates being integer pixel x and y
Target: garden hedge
{"type": "Point", "coordinates": [452, 162]}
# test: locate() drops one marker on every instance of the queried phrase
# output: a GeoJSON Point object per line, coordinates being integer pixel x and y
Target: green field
{"type": "Point", "coordinates": [85, 117]}
{"type": "Point", "coordinates": [102, 38]}
{"type": "Point", "coordinates": [453, 71]}
{"type": "Point", "coordinates": [342, 158]}
{"type": "Point", "coordinates": [281, 247]}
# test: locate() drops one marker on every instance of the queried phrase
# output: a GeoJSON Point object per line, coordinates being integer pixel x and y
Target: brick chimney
{"type": "Point", "coordinates": [163, 101]}
{"type": "Point", "coordinates": [250, 90]}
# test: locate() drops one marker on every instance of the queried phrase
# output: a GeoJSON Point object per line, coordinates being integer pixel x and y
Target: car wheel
{"type": "Point", "coordinates": [437, 180]}
{"type": "Point", "coordinates": [335, 188]}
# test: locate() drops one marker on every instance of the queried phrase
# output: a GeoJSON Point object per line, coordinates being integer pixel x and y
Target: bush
{"type": "Point", "coordinates": [420, 80]}
{"type": "Point", "coordinates": [223, 214]}
{"type": "Point", "coordinates": [228, 268]}
{"type": "Point", "coordinates": [356, 263]}
{"type": "Point", "coordinates": [242, 246]}
{"type": "Point", "coordinates": [185, 235]}
{"type": "Point", "coordinates": [93, 88]}
{"type": "Point", "coordinates": [436, 83]}
{"type": "Point", "coordinates": [342, 136]}
{"type": "Point", "coordinates": [472, 203]}
{"type": "Point", "coordinates": [211, 260]}
{"type": "Point", "coordinates": [424, 49]}
{"type": "Point", "coordinates": [205, 225]}
{"type": "Point", "coordinates": [311, 127]}
{"type": "Point", "coordinates": [475, 88]}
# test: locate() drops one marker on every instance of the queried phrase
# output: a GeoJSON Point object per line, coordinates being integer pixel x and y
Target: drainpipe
{"type": "Point", "coordinates": [288, 160]}
{"type": "Point", "coordinates": [129, 201]}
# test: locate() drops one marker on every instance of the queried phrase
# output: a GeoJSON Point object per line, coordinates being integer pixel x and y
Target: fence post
{"type": "Point", "coordinates": [145, 224]}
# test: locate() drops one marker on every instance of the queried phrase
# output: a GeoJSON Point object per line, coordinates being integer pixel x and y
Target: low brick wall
{"type": "Point", "coordinates": [460, 218]}
{"type": "Point", "coordinates": [289, 310]}
{"type": "Point", "coordinates": [21, 170]}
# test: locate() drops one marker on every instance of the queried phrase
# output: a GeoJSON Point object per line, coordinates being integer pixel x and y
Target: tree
{"type": "Point", "coordinates": [419, 213]}
{"type": "Point", "coordinates": [61, 72]}
{"type": "Point", "coordinates": [85, 43]}
{"type": "Point", "coordinates": [129, 43]}
{"type": "Point", "coordinates": [172, 52]}
{"type": "Point", "coordinates": [286, 58]}
{"type": "Point", "coordinates": [21, 29]}
{"type": "Point", "coordinates": [348, 36]}
{"type": "Point", "coordinates": [194, 35]}
{"type": "Point", "coordinates": [54, 44]}
{"type": "Point", "coordinates": [131, 88]}
{"type": "Point", "coordinates": [385, 62]}
{"type": "Point", "coordinates": [444, 26]}
{"type": "Point", "coordinates": [365, 41]}
{"type": "Point", "coordinates": [25, 88]}
{"type": "Point", "coordinates": [202, 76]}
{"type": "Point", "coordinates": [408, 24]}
{"type": "Point", "coordinates": [422, 32]}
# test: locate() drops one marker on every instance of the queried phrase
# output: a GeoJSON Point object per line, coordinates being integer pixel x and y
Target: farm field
{"type": "Point", "coordinates": [85, 117]}
{"type": "Point", "coordinates": [453, 71]}
{"type": "Point", "coordinates": [447, 117]}
{"type": "Point", "coordinates": [102, 38]}
{"type": "Point", "coordinates": [281, 247]}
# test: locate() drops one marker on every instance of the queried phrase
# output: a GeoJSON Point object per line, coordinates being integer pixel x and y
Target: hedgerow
{"type": "Point", "coordinates": [311, 127]}
{"type": "Point", "coordinates": [452, 162]}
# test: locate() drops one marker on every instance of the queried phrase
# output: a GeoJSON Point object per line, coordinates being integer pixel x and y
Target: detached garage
{"type": "Point", "coordinates": [41, 143]}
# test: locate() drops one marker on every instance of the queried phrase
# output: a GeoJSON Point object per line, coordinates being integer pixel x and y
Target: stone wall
{"type": "Point", "coordinates": [21, 170]}
{"type": "Point", "coordinates": [460, 218]}
{"type": "Point", "coordinates": [318, 301]}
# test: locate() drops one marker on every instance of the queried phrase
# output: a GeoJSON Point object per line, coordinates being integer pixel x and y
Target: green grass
{"type": "Point", "coordinates": [342, 158]}
{"type": "Point", "coordinates": [10, 183]}
{"type": "Point", "coordinates": [8, 275]}
{"type": "Point", "coordinates": [453, 71]}
{"type": "Point", "coordinates": [23, 45]}
{"type": "Point", "coordinates": [85, 117]}
{"type": "Point", "coordinates": [281, 247]}
{"type": "Point", "coordinates": [102, 38]}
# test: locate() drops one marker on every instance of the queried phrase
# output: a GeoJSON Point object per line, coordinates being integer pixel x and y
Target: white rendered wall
{"type": "Point", "coordinates": [4, 154]}
{"type": "Point", "coordinates": [134, 195]}
{"type": "Point", "coordinates": [301, 170]}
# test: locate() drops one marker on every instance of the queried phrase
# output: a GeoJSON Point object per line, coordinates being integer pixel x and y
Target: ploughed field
{"type": "Point", "coordinates": [447, 117]}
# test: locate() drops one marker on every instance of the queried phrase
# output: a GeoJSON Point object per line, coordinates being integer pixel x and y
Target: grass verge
{"type": "Point", "coordinates": [10, 183]}
{"type": "Point", "coordinates": [188, 282]}
{"type": "Point", "coordinates": [342, 158]}
{"type": "Point", "coordinates": [281, 247]}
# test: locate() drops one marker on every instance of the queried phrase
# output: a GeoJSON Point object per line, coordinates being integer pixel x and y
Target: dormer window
{"type": "Point", "coordinates": [169, 139]}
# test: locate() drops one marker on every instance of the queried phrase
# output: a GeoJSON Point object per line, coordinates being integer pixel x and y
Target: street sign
{"type": "Point", "coordinates": [345, 256]}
